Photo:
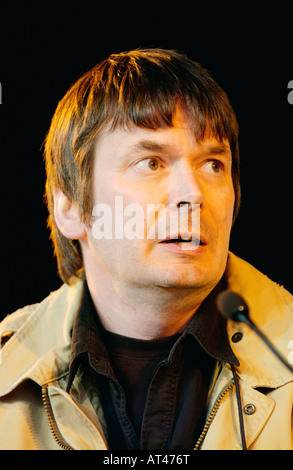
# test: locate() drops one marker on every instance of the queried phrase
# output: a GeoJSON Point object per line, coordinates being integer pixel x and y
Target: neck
{"type": "Point", "coordinates": [144, 313]}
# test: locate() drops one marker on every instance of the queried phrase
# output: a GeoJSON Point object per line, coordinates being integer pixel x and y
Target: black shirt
{"type": "Point", "coordinates": [153, 393]}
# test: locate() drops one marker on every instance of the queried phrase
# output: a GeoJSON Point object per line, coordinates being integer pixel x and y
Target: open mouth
{"type": "Point", "coordinates": [182, 240]}
{"type": "Point", "coordinates": [185, 243]}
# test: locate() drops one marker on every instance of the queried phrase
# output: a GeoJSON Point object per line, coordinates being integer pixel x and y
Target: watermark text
{"type": "Point", "coordinates": [290, 95]}
{"type": "Point", "coordinates": [152, 221]}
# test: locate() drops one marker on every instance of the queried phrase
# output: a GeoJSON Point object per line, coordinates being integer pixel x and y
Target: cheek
{"type": "Point", "coordinates": [119, 194]}
{"type": "Point", "coordinates": [221, 206]}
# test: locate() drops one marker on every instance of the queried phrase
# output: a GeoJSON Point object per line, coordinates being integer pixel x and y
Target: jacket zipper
{"type": "Point", "coordinates": [60, 441]}
{"type": "Point", "coordinates": [51, 420]}
{"type": "Point", "coordinates": [213, 413]}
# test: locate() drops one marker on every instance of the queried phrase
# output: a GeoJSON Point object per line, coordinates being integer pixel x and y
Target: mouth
{"type": "Point", "coordinates": [184, 242]}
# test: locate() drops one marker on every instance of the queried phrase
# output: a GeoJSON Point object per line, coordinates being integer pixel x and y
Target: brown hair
{"type": "Point", "coordinates": [140, 87]}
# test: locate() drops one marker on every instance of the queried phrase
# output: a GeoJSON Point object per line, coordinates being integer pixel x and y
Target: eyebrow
{"type": "Point", "coordinates": [215, 149]}
{"type": "Point", "coordinates": [149, 145]}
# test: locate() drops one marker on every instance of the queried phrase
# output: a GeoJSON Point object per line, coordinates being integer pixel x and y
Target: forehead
{"type": "Point", "coordinates": [179, 136]}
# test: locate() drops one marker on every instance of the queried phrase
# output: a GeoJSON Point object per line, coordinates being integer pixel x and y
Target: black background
{"type": "Point", "coordinates": [45, 47]}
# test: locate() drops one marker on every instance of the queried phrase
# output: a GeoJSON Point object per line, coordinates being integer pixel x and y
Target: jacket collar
{"type": "Point", "coordinates": [40, 347]}
{"type": "Point", "coordinates": [271, 309]}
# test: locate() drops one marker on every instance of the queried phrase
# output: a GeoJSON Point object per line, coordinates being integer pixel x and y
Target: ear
{"type": "Point", "coordinates": [67, 217]}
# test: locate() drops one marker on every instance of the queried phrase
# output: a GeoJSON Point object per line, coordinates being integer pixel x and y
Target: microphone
{"type": "Point", "coordinates": [233, 307]}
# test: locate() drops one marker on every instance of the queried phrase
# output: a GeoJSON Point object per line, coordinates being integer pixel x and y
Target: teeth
{"type": "Point", "coordinates": [177, 240]}
{"type": "Point", "coordinates": [185, 244]}
{"type": "Point", "coordinates": [181, 240]}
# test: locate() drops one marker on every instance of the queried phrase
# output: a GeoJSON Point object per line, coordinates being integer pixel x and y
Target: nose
{"type": "Point", "coordinates": [185, 187]}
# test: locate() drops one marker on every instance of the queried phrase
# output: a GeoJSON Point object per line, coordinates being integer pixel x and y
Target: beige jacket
{"type": "Point", "coordinates": [37, 413]}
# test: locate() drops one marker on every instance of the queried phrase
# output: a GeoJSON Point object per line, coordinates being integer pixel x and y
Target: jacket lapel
{"type": "Point", "coordinates": [39, 348]}
{"type": "Point", "coordinates": [79, 425]}
{"type": "Point", "coordinates": [224, 430]}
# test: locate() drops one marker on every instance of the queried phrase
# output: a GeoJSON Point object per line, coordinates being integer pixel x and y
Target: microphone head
{"type": "Point", "coordinates": [232, 306]}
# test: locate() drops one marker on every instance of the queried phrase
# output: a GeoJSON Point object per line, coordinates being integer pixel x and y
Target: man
{"type": "Point", "coordinates": [132, 353]}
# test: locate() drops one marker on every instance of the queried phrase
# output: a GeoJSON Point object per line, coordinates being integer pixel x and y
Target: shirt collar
{"type": "Point", "coordinates": [86, 335]}
{"type": "Point", "coordinates": [207, 326]}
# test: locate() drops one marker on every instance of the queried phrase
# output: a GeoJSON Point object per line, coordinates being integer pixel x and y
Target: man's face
{"type": "Point", "coordinates": [166, 167]}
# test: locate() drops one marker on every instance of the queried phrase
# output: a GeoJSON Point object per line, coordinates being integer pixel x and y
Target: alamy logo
{"type": "Point", "coordinates": [290, 95]}
{"type": "Point", "coordinates": [154, 221]}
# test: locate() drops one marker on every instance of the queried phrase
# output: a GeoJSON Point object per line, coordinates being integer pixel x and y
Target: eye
{"type": "Point", "coordinates": [213, 166]}
{"type": "Point", "coordinates": [148, 164]}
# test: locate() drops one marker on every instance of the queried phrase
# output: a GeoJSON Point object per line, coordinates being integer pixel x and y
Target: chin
{"type": "Point", "coordinates": [188, 278]}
